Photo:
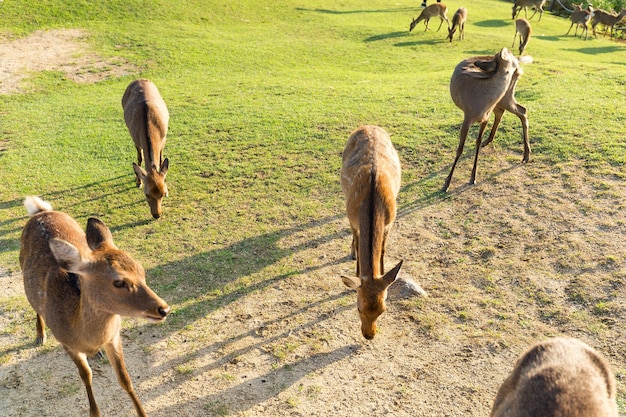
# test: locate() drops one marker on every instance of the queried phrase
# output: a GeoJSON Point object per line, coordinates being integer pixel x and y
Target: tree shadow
{"type": "Point", "coordinates": [384, 36]}
{"type": "Point", "coordinates": [339, 12]}
{"type": "Point", "coordinates": [599, 50]}
{"type": "Point", "coordinates": [494, 23]}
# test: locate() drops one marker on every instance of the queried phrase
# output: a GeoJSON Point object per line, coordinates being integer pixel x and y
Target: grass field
{"type": "Point", "coordinates": [262, 97]}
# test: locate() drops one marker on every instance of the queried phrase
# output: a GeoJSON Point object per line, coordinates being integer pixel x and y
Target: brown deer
{"type": "Point", "coordinates": [435, 9]}
{"type": "Point", "coordinates": [370, 181]}
{"type": "Point", "coordinates": [525, 4]}
{"type": "Point", "coordinates": [79, 284]}
{"type": "Point", "coordinates": [608, 20]}
{"type": "Point", "coordinates": [523, 29]}
{"type": "Point", "coordinates": [580, 17]}
{"type": "Point", "coordinates": [458, 22]}
{"type": "Point", "coordinates": [479, 86]}
{"type": "Point", "coordinates": [558, 377]}
{"type": "Point", "coordinates": [146, 117]}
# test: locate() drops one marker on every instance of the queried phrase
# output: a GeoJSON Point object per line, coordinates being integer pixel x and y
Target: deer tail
{"type": "Point", "coordinates": [35, 205]}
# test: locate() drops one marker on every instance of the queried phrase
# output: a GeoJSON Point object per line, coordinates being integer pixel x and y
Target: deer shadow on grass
{"type": "Point", "coordinates": [339, 12]}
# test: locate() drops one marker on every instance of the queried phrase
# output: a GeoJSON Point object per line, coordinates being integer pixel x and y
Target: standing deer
{"type": "Point", "coordinates": [609, 20]}
{"type": "Point", "coordinates": [458, 22]}
{"type": "Point", "coordinates": [580, 17]}
{"type": "Point", "coordinates": [525, 4]}
{"type": "Point", "coordinates": [79, 284]}
{"type": "Point", "coordinates": [146, 117]}
{"type": "Point", "coordinates": [523, 29]}
{"type": "Point", "coordinates": [479, 86]}
{"type": "Point", "coordinates": [558, 377]}
{"type": "Point", "coordinates": [370, 181]}
{"type": "Point", "coordinates": [435, 9]}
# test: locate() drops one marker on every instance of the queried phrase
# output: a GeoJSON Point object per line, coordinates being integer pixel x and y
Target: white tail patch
{"type": "Point", "coordinates": [527, 59]}
{"type": "Point", "coordinates": [35, 204]}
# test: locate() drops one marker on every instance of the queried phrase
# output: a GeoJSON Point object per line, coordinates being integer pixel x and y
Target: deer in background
{"type": "Point", "coordinates": [436, 9]}
{"type": "Point", "coordinates": [523, 29]}
{"type": "Point", "coordinates": [458, 22]}
{"type": "Point", "coordinates": [370, 181]}
{"type": "Point", "coordinates": [525, 4]}
{"type": "Point", "coordinates": [558, 377]}
{"type": "Point", "coordinates": [482, 85]}
{"type": "Point", "coordinates": [580, 17]}
{"type": "Point", "coordinates": [609, 20]}
{"type": "Point", "coordinates": [146, 117]}
{"type": "Point", "coordinates": [79, 284]}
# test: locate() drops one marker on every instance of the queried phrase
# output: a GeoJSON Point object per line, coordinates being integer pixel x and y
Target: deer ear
{"type": "Point", "coordinates": [391, 276]}
{"type": "Point", "coordinates": [141, 173]}
{"type": "Point", "coordinates": [66, 254]}
{"type": "Point", "coordinates": [351, 282]}
{"type": "Point", "coordinates": [98, 234]}
{"type": "Point", "coordinates": [165, 166]}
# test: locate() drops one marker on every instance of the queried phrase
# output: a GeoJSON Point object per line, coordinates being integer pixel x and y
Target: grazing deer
{"type": "Point", "coordinates": [79, 284]}
{"type": "Point", "coordinates": [370, 180]}
{"type": "Point", "coordinates": [523, 29]}
{"type": "Point", "coordinates": [580, 17]}
{"type": "Point", "coordinates": [146, 117]}
{"type": "Point", "coordinates": [458, 22]}
{"type": "Point", "coordinates": [479, 86]}
{"type": "Point", "coordinates": [525, 4]}
{"type": "Point", "coordinates": [558, 377]}
{"type": "Point", "coordinates": [436, 9]}
{"type": "Point", "coordinates": [609, 20]}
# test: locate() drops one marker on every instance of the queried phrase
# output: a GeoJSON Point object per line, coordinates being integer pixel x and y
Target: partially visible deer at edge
{"type": "Point", "coordinates": [482, 85]}
{"type": "Point", "coordinates": [523, 29]}
{"type": "Point", "coordinates": [435, 9]}
{"type": "Point", "coordinates": [608, 20]}
{"type": "Point", "coordinates": [558, 377]}
{"type": "Point", "coordinates": [79, 284]}
{"type": "Point", "coordinates": [146, 117]}
{"type": "Point", "coordinates": [458, 22]}
{"type": "Point", "coordinates": [580, 17]}
{"type": "Point", "coordinates": [370, 181]}
{"type": "Point", "coordinates": [525, 4]}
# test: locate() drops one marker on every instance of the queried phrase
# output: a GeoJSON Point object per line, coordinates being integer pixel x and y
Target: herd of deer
{"type": "Point", "coordinates": [79, 283]}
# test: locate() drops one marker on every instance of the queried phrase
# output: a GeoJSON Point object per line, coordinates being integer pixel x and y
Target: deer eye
{"type": "Point", "coordinates": [119, 283]}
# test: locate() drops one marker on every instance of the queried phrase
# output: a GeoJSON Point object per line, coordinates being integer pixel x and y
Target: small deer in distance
{"type": "Point", "coordinates": [370, 181]}
{"type": "Point", "coordinates": [580, 17]}
{"type": "Point", "coordinates": [608, 20]}
{"type": "Point", "coordinates": [482, 85]}
{"type": "Point", "coordinates": [79, 283]}
{"type": "Point", "coordinates": [435, 9]}
{"type": "Point", "coordinates": [558, 377]}
{"type": "Point", "coordinates": [458, 22]}
{"type": "Point", "coordinates": [525, 4]}
{"type": "Point", "coordinates": [146, 117]}
{"type": "Point", "coordinates": [523, 29]}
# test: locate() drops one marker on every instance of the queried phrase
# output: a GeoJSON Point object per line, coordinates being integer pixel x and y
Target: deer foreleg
{"type": "Point", "coordinates": [498, 112]}
{"type": "Point", "coordinates": [459, 152]}
{"type": "Point", "coordinates": [479, 138]}
{"type": "Point", "coordinates": [116, 357]}
{"type": "Point", "coordinates": [85, 374]}
{"type": "Point", "coordinates": [426, 24]}
{"type": "Point", "coordinates": [570, 28]}
{"type": "Point", "coordinates": [139, 160]}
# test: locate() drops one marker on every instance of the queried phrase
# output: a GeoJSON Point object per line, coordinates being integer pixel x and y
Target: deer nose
{"type": "Point", "coordinates": [163, 311]}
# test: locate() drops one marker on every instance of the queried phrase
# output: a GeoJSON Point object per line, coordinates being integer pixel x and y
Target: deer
{"type": "Point", "coordinates": [525, 4]}
{"type": "Point", "coordinates": [482, 85]}
{"type": "Point", "coordinates": [609, 20]}
{"type": "Point", "coordinates": [558, 377]}
{"type": "Point", "coordinates": [580, 17]}
{"type": "Point", "coordinates": [146, 117]}
{"type": "Point", "coordinates": [524, 30]}
{"type": "Point", "coordinates": [370, 181]}
{"type": "Point", "coordinates": [79, 284]}
{"type": "Point", "coordinates": [435, 9]}
{"type": "Point", "coordinates": [458, 22]}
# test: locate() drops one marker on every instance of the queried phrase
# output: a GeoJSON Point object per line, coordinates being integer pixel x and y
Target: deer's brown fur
{"type": "Point", "coordinates": [482, 85]}
{"type": "Point", "coordinates": [370, 181]}
{"type": "Point", "coordinates": [525, 4]}
{"type": "Point", "coordinates": [458, 22]}
{"type": "Point", "coordinates": [435, 9]}
{"type": "Point", "coordinates": [608, 20]}
{"type": "Point", "coordinates": [524, 30]}
{"type": "Point", "coordinates": [79, 284]}
{"type": "Point", "coordinates": [580, 17]}
{"type": "Point", "coordinates": [559, 377]}
{"type": "Point", "coordinates": [146, 117]}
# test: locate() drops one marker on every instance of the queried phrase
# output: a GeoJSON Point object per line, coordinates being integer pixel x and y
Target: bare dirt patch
{"type": "Point", "coordinates": [64, 50]}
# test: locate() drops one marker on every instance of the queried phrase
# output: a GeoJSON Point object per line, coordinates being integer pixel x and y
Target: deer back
{"type": "Point", "coordinates": [80, 283]}
{"type": "Point", "coordinates": [558, 377]}
{"type": "Point", "coordinates": [146, 117]}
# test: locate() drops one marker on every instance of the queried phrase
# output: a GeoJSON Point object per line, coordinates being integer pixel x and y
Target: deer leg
{"type": "Point", "coordinates": [85, 374]}
{"type": "Point", "coordinates": [355, 243]}
{"type": "Point", "coordinates": [570, 28]}
{"type": "Point", "coordinates": [41, 331]}
{"type": "Point", "coordinates": [514, 37]}
{"type": "Point", "coordinates": [139, 160]}
{"type": "Point", "coordinates": [441, 24]}
{"type": "Point", "coordinates": [534, 14]}
{"type": "Point", "coordinates": [116, 357]}
{"type": "Point", "coordinates": [498, 112]}
{"type": "Point", "coordinates": [459, 152]}
{"type": "Point", "coordinates": [522, 114]}
{"type": "Point", "coordinates": [481, 130]}
{"type": "Point", "coordinates": [426, 24]}
{"type": "Point", "coordinates": [540, 14]}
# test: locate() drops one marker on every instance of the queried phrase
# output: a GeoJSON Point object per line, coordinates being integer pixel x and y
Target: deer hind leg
{"type": "Point", "coordinates": [481, 131]}
{"type": "Point", "coordinates": [459, 152]}
{"type": "Point", "coordinates": [116, 357]}
{"type": "Point", "coordinates": [41, 331]}
{"type": "Point", "coordinates": [85, 374]}
{"type": "Point", "coordinates": [498, 112]}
